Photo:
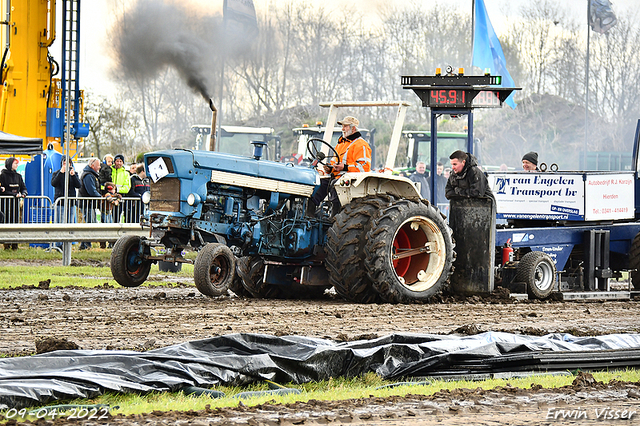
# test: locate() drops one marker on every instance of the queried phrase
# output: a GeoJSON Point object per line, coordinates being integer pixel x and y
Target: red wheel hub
{"type": "Point", "coordinates": [407, 239]}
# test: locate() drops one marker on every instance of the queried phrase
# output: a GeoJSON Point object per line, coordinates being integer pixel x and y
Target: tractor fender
{"type": "Point", "coordinates": [358, 185]}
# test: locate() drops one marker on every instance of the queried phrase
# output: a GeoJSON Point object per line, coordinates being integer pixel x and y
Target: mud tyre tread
{"type": "Point", "coordinates": [346, 240]}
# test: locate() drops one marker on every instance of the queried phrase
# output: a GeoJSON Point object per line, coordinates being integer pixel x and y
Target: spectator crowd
{"type": "Point", "coordinates": [108, 181]}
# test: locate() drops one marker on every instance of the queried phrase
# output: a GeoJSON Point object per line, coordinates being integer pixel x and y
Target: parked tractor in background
{"type": "Point", "coordinates": [237, 139]}
{"type": "Point", "coordinates": [248, 218]}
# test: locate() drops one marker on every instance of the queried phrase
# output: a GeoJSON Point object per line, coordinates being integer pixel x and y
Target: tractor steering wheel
{"type": "Point", "coordinates": [320, 157]}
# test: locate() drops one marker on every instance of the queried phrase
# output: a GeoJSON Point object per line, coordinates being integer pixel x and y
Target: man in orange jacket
{"type": "Point", "coordinates": [354, 156]}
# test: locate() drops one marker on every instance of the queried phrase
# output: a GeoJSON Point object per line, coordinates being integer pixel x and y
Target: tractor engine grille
{"type": "Point", "coordinates": [165, 195]}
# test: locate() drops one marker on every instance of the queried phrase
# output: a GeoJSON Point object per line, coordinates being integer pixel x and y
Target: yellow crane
{"type": "Point", "coordinates": [33, 103]}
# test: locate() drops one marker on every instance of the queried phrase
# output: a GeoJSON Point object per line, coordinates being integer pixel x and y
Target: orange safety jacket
{"type": "Point", "coordinates": [355, 152]}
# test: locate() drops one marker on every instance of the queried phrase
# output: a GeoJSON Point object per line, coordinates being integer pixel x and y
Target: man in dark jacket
{"type": "Point", "coordinates": [466, 179]}
{"type": "Point", "coordinates": [57, 181]}
{"type": "Point", "coordinates": [90, 188]}
{"type": "Point", "coordinates": [441, 183]}
{"type": "Point", "coordinates": [12, 185]}
{"type": "Point", "coordinates": [421, 176]}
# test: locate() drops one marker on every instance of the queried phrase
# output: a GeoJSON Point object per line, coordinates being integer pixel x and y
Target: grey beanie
{"type": "Point", "coordinates": [531, 157]}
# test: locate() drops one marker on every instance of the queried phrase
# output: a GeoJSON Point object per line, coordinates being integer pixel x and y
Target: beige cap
{"type": "Point", "coordinates": [349, 121]}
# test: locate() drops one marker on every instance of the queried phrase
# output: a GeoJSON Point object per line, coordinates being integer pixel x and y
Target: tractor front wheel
{"type": "Point", "coordinates": [129, 266]}
{"type": "Point", "coordinates": [214, 269]}
{"type": "Point", "coordinates": [251, 271]}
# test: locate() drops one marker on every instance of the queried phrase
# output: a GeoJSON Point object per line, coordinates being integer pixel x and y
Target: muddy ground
{"type": "Point", "coordinates": [143, 318]}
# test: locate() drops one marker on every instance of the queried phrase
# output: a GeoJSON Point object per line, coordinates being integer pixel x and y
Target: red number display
{"type": "Point", "coordinates": [444, 97]}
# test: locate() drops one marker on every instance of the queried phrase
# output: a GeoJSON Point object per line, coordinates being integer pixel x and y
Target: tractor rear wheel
{"type": "Point", "coordinates": [128, 264]}
{"type": "Point", "coordinates": [237, 287]}
{"type": "Point", "coordinates": [214, 269]}
{"type": "Point", "coordinates": [538, 271]}
{"type": "Point", "coordinates": [409, 252]}
{"type": "Point", "coordinates": [251, 271]}
{"type": "Point", "coordinates": [346, 240]}
{"type": "Point", "coordinates": [634, 262]}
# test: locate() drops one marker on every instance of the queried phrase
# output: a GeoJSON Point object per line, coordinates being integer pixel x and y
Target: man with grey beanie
{"type": "Point", "coordinates": [530, 162]}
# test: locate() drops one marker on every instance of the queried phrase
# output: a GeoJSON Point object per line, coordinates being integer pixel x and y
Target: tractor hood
{"type": "Point", "coordinates": [185, 161]}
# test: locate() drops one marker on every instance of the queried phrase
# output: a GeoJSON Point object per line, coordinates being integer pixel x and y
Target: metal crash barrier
{"type": "Point", "coordinates": [35, 219]}
{"type": "Point", "coordinates": [98, 210]}
{"type": "Point", "coordinates": [66, 232]}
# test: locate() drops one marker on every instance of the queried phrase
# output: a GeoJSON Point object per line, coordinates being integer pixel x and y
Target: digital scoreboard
{"type": "Point", "coordinates": [457, 91]}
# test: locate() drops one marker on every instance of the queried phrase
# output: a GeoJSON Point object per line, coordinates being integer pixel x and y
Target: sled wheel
{"type": "Point", "coordinates": [634, 262]}
{"type": "Point", "coordinates": [214, 269]}
{"type": "Point", "coordinates": [409, 252]}
{"type": "Point", "coordinates": [538, 271]}
{"type": "Point", "coordinates": [346, 240]}
{"type": "Point", "coordinates": [129, 265]}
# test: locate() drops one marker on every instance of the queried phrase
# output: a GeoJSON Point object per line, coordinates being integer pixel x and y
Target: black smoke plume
{"type": "Point", "coordinates": [154, 34]}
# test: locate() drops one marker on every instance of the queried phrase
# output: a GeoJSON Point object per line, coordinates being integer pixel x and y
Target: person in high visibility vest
{"type": "Point", "coordinates": [354, 156]}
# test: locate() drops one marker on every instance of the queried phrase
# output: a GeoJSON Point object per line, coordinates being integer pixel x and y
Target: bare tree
{"type": "Point", "coordinates": [615, 79]}
{"type": "Point", "coordinates": [113, 128]}
{"type": "Point", "coordinates": [263, 69]}
{"type": "Point", "coordinates": [541, 35]}
{"type": "Point", "coordinates": [317, 48]}
{"type": "Point", "coordinates": [419, 41]}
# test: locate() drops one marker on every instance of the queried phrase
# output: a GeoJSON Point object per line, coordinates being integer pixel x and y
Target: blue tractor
{"type": "Point", "coordinates": [256, 235]}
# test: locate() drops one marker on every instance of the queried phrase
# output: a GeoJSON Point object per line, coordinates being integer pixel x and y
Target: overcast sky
{"type": "Point", "coordinates": [97, 16]}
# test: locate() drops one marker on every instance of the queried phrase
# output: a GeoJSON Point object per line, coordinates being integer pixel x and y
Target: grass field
{"type": "Point", "coordinates": [31, 266]}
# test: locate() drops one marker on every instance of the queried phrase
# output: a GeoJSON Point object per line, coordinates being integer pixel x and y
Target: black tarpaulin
{"type": "Point", "coordinates": [18, 145]}
{"type": "Point", "coordinates": [240, 359]}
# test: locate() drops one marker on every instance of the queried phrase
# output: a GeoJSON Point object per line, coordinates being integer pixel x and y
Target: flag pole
{"type": "Point", "coordinates": [221, 91]}
{"type": "Point", "coordinates": [473, 30]}
{"type": "Point", "coordinates": [586, 101]}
